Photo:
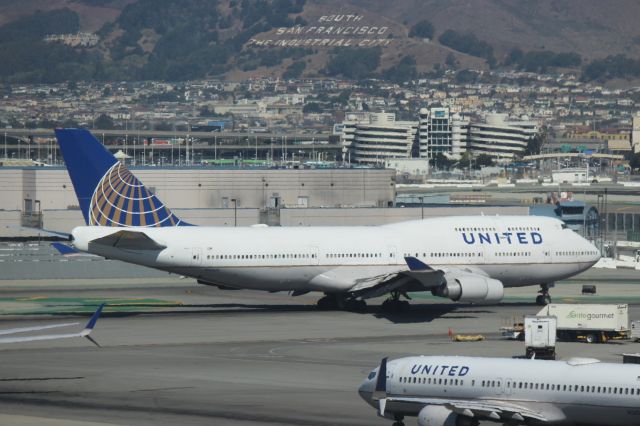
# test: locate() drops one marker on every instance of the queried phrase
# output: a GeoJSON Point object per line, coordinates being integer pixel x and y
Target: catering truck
{"type": "Point", "coordinates": [585, 322]}
{"type": "Point", "coordinates": [591, 323]}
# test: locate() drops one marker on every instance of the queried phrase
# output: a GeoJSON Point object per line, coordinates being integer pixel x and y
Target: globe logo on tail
{"type": "Point", "coordinates": [120, 199]}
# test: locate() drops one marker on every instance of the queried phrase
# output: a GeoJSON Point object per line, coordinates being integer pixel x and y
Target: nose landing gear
{"type": "Point", "coordinates": [544, 298]}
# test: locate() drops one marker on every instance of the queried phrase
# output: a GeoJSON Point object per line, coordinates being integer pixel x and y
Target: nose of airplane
{"type": "Point", "coordinates": [366, 389]}
{"type": "Point", "coordinates": [593, 249]}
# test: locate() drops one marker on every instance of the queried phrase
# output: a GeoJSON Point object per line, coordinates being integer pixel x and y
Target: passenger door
{"type": "Point", "coordinates": [508, 386]}
{"type": "Point", "coordinates": [196, 256]}
{"type": "Point", "coordinates": [391, 255]}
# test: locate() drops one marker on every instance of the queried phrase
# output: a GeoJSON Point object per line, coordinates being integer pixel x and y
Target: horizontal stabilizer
{"type": "Point", "coordinates": [129, 240]}
{"type": "Point", "coordinates": [64, 249]}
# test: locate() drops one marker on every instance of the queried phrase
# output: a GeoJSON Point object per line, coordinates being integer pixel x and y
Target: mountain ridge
{"type": "Point", "coordinates": [165, 39]}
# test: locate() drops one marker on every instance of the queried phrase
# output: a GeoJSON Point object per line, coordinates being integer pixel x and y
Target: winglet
{"type": "Point", "coordinates": [91, 324]}
{"type": "Point", "coordinates": [415, 264]}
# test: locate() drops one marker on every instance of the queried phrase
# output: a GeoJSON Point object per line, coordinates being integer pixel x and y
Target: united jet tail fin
{"type": "Point", "coordinates": [108, 193]}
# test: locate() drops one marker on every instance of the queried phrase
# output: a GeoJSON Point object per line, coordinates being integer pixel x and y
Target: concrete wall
{"type": "Point", "coordinates": [375, 216]}
{"type": "Point", "coordinates": [209, 188]}
{"type": "Point", "coordinates": [10, 224]}
{"type": "Point", "coordinates": [66, 220]}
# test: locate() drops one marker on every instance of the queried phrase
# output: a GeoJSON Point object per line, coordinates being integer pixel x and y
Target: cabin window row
{"type": "Point", "coordinates": [432, 381]}
{"type": "Point", "coordinates": [576, 253]}
{"type": "Point", "coordinates": [356, 255]}
{"type": "Point", "coordinates": [260, 256]}
{"type": "Point", "coordinates": [523, 228]}
{"type": "Point", "coordinates": [468, 254]}
{"type": "Point", "coordinates": [513, 253]}
{"type": "Point", "coordinates": [480, 229]}
{"type": "Point", "coordinates": [575, 388]}
{"type": "Point", "coordinates": [611, 390]}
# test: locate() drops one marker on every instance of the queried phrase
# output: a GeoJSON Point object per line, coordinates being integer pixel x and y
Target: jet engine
{"type": "Point", "coordinates": [437, 415]}
{"type": "Point", "coordinates": [471, 288]}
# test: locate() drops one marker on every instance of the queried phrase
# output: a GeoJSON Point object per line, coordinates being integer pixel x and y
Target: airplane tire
{"type": "Point", "coordinates": [357, 305]}
{"type": "Point", "coordinates": [543, 300]}
{"type": "Point", "coordinates": [326, 303]}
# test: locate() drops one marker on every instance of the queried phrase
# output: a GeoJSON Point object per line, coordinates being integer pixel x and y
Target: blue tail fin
{"type": "Point", "coordinates": [108, 193]}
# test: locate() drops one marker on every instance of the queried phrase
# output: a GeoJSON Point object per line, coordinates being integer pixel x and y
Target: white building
{"type": "Point", "coordinates": [408, 166]}
{"type": "Point", "coordinates": [383, 137]}
{"type": "Point", "coordinates": [499, 137]}
{"type": "Point", "coordinates": [442, 132]}
{"type": "Point", "coordinates": [635, 133]}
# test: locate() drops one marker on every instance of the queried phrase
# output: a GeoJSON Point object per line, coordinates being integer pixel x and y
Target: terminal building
{"type": "Point", "coordinates": [499, 137]}
{"type": "Point", "coordinates": [377, 137]}
{"type": "Point", "coordinates": [372, 138]}
{"type": "Point", "coordinates": [442, 133]}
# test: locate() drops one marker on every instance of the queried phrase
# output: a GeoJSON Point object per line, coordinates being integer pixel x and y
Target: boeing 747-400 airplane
{"type": "Point", "coordinates": [466, 259]}
{"type": "Point", "coordinates": [461, 391]}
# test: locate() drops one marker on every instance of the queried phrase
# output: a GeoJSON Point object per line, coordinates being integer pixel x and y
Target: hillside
{"type": "Point", "coordinates": [400, 40]}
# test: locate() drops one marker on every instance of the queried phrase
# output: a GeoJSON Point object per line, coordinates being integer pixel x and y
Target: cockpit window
{"type": "Point", "coordinates": [564, 226]}
{"type": "Point", "coordinates": [371, 375]}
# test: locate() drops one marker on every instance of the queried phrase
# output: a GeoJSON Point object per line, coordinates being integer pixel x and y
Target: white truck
{"type": "Point", "coordinates": [635, 331]}
{"type": "Point", "coordinates": [591, 323]}
{"type": "Point", "coordinates": [540, 336]}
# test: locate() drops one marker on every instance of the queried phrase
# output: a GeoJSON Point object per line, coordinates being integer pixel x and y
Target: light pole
{"type": "Point", "coordinates": [421, 206]}
{"type": "Point", "coordinates": [235, 212]}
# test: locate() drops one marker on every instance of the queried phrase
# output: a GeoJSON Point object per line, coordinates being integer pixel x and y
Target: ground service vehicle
{"type": "Point", "coordinates": [592, 323]}
{"type": "Point", "coordinates": [540, 336]}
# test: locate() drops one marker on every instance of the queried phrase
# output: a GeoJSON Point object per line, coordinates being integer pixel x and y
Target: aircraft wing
{"type": "Point", "coordinates": [415, 276]}
{"type": "Point", "coordinates": [480, 409]}
{"type": "Point", "coordinates": [83, 333]}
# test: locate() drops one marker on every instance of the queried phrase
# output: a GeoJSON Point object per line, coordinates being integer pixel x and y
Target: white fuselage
{"type": "Point", "coordinates": [517, 250]}
{"type": "Point", "coordinates": [573, 392]}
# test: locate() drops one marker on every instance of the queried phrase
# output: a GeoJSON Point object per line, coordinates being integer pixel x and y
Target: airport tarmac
{"type": "Point", "coordinates": [174, 352]}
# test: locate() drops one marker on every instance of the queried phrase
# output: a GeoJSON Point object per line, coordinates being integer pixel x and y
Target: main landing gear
{"type": "Point", "coordinates": [398, 420]}
{"type": "Point", "coordinates": [394, 304]}
{"type": "Point", "coordinates": [332, 302]}
{"type": "Point", "coordinates": [544, 298]}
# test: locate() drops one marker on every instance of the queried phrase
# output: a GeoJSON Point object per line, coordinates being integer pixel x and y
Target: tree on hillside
{"type": "Point", "coordinates": [294, 70]}
{"type": "Point", "coordinates": [451, 61]}
{"type": "Point", "coordinates": [404, 71]}
{"type": "Point", "coordinates": [423, 29]}
{"type": "Point", "coordinates": [353, 63]}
